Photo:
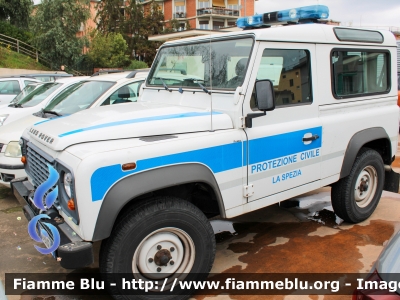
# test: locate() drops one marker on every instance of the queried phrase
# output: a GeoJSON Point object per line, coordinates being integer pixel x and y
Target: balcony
{"type": "Point", "coordinates": [179, 15]}
{"type": "Point", "coordinates": [218, 11]}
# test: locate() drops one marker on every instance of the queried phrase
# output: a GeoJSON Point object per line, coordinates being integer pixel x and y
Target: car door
{"type": "Point", "coordinates": [284, 147]}
{"type": "Point", "coordinates": [9, 88]}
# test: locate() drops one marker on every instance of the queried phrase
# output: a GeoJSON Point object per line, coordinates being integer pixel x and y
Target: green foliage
{"type": "Point", "coordinates": [54, 27]}
{"type": "Point", "coordinates": [14, 32]}
{"type": "Point", "coordinates": [137, 64]}
{"type": "Point", "coordinates": [14, 60]}
{"type": "Point", "coordinates": [109, 16]}
{"type": "Point", "coordinates": [108, 51]}
{"type": "Point", "coordinates": [17, 12]}
{"type": "Point", "coordinates": [136, 25]}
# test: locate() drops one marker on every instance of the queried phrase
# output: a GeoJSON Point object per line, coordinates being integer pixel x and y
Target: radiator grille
{"type": "Point", "coordinates": [37, 167]}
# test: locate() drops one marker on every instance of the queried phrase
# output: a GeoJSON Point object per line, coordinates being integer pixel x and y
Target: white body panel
{"type": "Point", "coordinates": [95, 143]}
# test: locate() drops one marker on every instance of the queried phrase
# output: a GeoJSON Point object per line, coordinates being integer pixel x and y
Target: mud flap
{"type": "Point", "coordinates": [392, 180]}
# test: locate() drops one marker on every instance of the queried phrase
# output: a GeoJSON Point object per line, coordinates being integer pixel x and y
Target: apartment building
{"type": "Point", "coordinates": [204, 14]}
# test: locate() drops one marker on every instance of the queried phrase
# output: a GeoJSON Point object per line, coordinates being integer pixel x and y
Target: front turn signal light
{"type": "Point", "coordinates": [23, 159]}
{"type": "Point", "coordinates": [71, 204]}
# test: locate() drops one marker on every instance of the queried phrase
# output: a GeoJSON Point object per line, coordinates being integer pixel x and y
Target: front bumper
{"type": "Point", "coordinates": [10, 172]}
{"type": "Point", "coordinates": [73, 251]}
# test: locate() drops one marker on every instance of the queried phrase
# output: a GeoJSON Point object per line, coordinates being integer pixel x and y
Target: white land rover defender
{"type": "Point", "coordinates": [227, 124]}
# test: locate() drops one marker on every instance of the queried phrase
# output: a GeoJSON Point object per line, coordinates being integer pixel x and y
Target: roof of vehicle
{"type": "Point", "coordinates": [304, 33]}
{"type": "Point", "coordinates": [16, 77]}
{"type": "Point", "coordinates": [133, 72]}
{"type": "Point", "coordinates": [72, 79]}
{"type": "Point", "coordinates": [119, 76]}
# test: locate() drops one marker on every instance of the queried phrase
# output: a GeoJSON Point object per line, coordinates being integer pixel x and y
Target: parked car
{"type": "Point", "coordinates": [46, 77]}
{"type": "Point", "coordinates": [10, 87]}
{"type": "Point", "coordinates": [35, 100]}
{"type": "Point", "coordinates": [89, 93]}
{"type": "Point", "coordinates": [387, 269]}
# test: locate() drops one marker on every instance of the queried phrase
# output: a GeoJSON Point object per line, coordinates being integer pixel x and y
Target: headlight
{"type": "Point", "coordinates": [13, 150]}
{"type": "Point", "coordinates": [67, 184]}
{"type": "Point", "coordinates": [2, 119]}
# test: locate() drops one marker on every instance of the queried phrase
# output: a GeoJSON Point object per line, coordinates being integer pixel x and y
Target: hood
{"type": "Point", "coordinates": [13, 131]}
{"type": "Point", "coordinates": [124, 121]}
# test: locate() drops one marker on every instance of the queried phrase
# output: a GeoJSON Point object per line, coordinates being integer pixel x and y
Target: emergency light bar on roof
{"type": "Point", "coordinates": [303, 14]}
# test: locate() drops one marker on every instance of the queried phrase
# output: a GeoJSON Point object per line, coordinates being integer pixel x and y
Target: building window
{"type": "Point", "coordinates": [230, 23]}
{"type": "Point", "coordinates": [218, 24]}
{"type": "Point", "coordinates": [291, 82]}
{"type": "Point", "coordinates": [233, 4]}
{"type": "Point", "coordinates": [203, 24]}
{"type": "Point", "coordinates": [203, 4]}
{"type": "Point", "coordinates": [180, 9]}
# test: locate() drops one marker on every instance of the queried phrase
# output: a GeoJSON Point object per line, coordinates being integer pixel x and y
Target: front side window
{"type": "Point", "coordinates": [9, 87]}
{"type": "Point", "coordinates": [357, 73]}
{"type": "Point", "coordinates": [39, 94]}
{"type": "Point", "coordinates": [126, 94]}
{"type": "Point", "coordinates": [215, 65]}
{"type": "Point", "coordinates": [289, 71]}
{"type": "Point", "coordinates": [26, 90]}
{"type": "Point", "coordinates": [78, 96]}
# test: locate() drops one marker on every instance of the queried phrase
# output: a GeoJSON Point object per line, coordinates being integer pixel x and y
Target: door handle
{"type": "Point", "coordinates": [311, 138]}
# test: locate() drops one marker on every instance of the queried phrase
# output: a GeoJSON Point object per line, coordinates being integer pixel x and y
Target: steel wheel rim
{"type": "Point", "coordinates": [366, 186]}
{"type": "Point", "coordinates": [183, 256]}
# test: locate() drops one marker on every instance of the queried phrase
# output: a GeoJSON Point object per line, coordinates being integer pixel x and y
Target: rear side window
{"type": "Point", "coordinates": [360, 72]}
{"type": "Point", "coordinates": [9, 87]}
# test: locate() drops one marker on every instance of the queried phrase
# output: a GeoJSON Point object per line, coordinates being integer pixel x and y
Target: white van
{"type": "Point", "coordinates": [250, 119]}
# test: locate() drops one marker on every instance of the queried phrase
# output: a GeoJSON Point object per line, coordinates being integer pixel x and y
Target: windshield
{"type": "Point", "coordinates": [29, 88]}
{"type": "Point", "coordinates": [78, 96]}
{"type": "Point", "coordinates": [38, 95]}
{"type": "Point", "coordinates": [184, 66]}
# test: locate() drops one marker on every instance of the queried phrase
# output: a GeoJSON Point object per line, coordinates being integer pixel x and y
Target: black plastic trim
{"type": "Point", "coordinates": [356, 142]}
{"type": "Point", "coordinates": [135, 185]}
{"type": "Point", "coordinates": [12, 167]}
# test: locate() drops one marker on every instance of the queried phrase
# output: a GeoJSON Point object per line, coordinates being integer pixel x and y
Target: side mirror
{"type": "Point", "coordinates": [265, 99]}
{"type": "Point", "coordinates": [265, 96]}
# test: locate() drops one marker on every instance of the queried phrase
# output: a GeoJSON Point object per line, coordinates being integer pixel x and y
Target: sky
{"type": "Point", "coordinates": [380, 14]}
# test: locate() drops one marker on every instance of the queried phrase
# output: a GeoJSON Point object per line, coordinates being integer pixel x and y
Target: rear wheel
{"type": "Point", "coordinates": [161, 238]}
{"type": "Point", "coordinates": [355, 197]}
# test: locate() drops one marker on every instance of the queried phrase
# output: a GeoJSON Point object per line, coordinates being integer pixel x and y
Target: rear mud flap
{"type": "Point", "coordinates": [392, 180]}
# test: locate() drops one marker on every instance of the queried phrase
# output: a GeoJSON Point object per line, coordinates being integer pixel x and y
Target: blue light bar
{"type": "Point", "coordinates": [295, 15]}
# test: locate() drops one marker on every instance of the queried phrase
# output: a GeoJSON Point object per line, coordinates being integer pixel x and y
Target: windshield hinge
{"type": "Point", "coordinates": [248, 190]}
{"type": "Point", "coordinates": [242, 122]}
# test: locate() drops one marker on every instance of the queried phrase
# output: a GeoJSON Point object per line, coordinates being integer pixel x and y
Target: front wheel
{"type": "Point", "coordinates": [355, 197]}
{"type": "Point", "coordinates": [161, 238]}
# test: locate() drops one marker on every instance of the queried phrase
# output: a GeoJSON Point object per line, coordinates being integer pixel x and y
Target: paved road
{"type": "Point", "coordinates": [298, 239]}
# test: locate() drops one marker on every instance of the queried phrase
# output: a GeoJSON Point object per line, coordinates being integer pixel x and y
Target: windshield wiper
{"type": "Point", "coordinates": [164, 84]}
{"type": "Point", "coordinates": [200, 85]}
{"type": "Point", "coordinates": [16, 105]}
{"type": "Point", "coordinates": [51, 112]}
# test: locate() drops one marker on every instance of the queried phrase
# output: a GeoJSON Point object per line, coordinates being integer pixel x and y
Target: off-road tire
{"type": "Point", "coordinates": [116, 253]}
{"type": "Point", "coordinates": [343, 192]}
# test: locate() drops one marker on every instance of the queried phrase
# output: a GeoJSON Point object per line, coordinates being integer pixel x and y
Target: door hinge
{"type": "Point", "coordinates": [248, 190]}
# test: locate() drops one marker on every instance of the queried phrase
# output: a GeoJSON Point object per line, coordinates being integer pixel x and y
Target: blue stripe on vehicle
{"type": "Point", "coordinates": [218, 159]}
{"type": "Point", "coordinates": [271, 147]}
{"type": "Point", "coordinates": [140, 120]}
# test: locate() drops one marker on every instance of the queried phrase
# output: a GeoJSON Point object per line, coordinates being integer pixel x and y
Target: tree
{"type": "Point", "coordinates": [109, 16]}
{"type": "Point", "coordinates": [108, 51]}
{"type": "Point", "coordinates": [17, 12]}
{"type": "Point", "coordinates": [54, 27]}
